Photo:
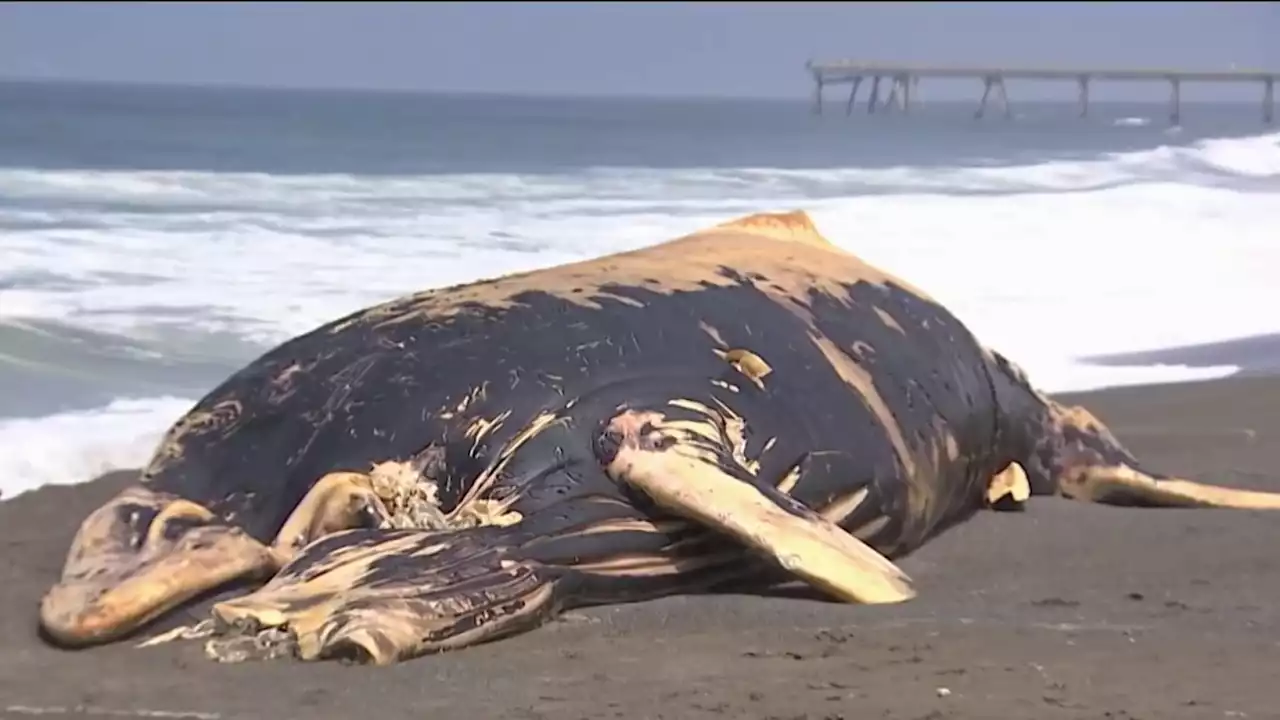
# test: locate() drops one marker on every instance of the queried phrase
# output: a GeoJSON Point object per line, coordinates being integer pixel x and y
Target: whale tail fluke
{"type": "Point", "coordinates": [1066, 450]}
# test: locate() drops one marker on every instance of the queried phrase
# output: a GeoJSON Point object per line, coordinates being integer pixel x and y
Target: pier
{"type": "Point", "coordinates": [903, 79]}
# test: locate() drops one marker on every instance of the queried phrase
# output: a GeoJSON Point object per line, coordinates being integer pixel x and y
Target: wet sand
{"type": "Point", "coordinates": [1065, 611]}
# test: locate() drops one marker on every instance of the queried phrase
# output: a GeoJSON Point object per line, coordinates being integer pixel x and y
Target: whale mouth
{"type": "Point", "coordinates": [379, 596]}
{"type": "Point", "coordinates": [139, 556]}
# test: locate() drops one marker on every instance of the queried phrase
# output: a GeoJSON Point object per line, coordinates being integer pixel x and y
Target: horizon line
{"type": "Point", "coordinates": [495, 94]}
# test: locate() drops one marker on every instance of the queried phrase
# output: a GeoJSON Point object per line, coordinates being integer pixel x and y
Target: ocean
{"type": "Point", "coordinates": [153, 240]}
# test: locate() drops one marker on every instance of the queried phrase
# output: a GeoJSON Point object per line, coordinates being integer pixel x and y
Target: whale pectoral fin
{"type": "Point", "coordinates": [1124, 485]}
{"type": "Point", "coordinates": [671, 465]}
{"type": "Point", "coordinates": [382, 596]}
{"type": "Point", "coordinates": [1009, 489]}
{"type": "Point", "coordinates": [338, 501]}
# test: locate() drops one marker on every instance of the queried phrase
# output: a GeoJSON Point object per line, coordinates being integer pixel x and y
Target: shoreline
{"type": "Point", "coordinates": [1254, 355]}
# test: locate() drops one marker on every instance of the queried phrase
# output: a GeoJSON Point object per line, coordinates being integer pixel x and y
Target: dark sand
{"type": "Point", "coordinates": [1065, 611]}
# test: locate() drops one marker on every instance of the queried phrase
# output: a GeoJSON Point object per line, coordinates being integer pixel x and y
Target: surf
{"type": "Point", "coordinates": [1051, 261]}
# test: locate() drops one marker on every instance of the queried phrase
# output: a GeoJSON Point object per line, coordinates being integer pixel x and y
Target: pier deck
{"type": "Point", "coordinates": [904, 79]}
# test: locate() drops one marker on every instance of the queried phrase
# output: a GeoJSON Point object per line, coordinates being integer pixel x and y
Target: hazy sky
{"type": "Point", "coordinates": [739, 49]}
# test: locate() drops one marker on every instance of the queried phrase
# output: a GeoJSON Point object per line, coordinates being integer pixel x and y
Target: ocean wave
{"type": "Point", "coordinates": [628, 189]}
{"type": "Point", "coordinates": [124, 295]}
{"type": "Point", "coordinates": [74, 447]}
{"type": "Point", "coordinates": [49, 366]}
{"type": "Point", "coordinates": [265, 256]}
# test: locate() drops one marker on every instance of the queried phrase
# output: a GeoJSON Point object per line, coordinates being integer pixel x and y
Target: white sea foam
{"type": "Point", "coordinates": [1049, 262]}
{"type": "Point", "coordinates": [77, 446]}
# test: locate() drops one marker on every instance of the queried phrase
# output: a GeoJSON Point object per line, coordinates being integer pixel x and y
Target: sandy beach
{"type": "Point", "coordinates": [1065, 611]}
{"type": "Point", "coordinates": [187, 187]}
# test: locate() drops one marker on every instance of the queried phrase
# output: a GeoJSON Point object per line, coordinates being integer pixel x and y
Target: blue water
{"type": "Point", "coordinates": [120, 127]}
{"type": "Point", "coordinates": [153, 239]}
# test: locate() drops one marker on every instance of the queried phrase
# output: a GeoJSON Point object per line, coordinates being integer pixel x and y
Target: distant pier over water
{"type": "Point", "coordinates": [901, 81]}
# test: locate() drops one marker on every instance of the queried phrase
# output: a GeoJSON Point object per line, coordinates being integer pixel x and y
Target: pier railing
{"type": "Point", "coordinates": [904, 78]}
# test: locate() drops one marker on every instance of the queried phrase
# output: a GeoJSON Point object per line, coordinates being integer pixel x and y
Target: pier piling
{"type": "Point", "coordinates": [900, 93]}
{"type": "Point", "coordinates": [904, 78]}
{"type": "Point", "coordinates": [1269, 100]}
{"type": "Point", "coordinates": [853, 95]}
{"type": "Point", "coordinates": [996, 83]}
